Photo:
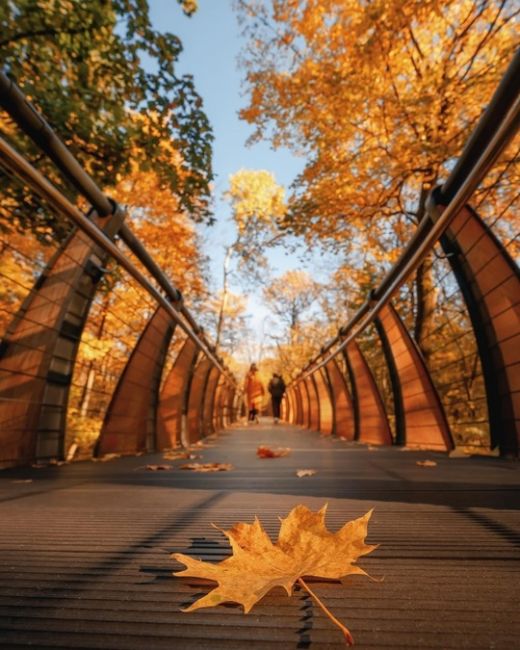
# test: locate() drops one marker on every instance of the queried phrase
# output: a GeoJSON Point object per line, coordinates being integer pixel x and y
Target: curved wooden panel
{"type": "Point", "coordinates": [300, 396]}
{"type": "Point", "coordinates": [344, 422]}
{"type": "Point", "coordinates": [373, 423]}
{"type": "Point", "coordinates": [225, 406]}
{"type": "Point", "coordinates": [304, 395]}
{"type": "Point", "coordinates": [292, 391]}
{"type": "Point", "coordinates": [326, 415]}
{"type": "Point", "coordinates": [490, 283]}
{"type": "Point", "coordinates": [218, 405]}
{"type": "Point", "coordinates": [130, 420]}
{"type": "Point", "coordinates": [314, 411]}
{"type": "Point", "coordinates": [420, 417]}
{"type": "Point", "coordinates": [285, 408]}
{"type": "Point", "coordinates": [208, 404]}
{"type": "Point", "coordinates": [173, 401]}
{"type": "Point", "coordinates": [233, 404]}
{"type": "Point", "coordinates": [38, 351]}
{"type": "Point", "coordinates": [196, 400]}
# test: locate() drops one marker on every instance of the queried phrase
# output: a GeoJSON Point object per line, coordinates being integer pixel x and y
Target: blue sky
{"type": "Point", "coordinates": [212, 42]}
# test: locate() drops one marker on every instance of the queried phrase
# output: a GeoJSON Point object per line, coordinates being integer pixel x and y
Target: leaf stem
{"type": "Point", "coordinates": [346, 632]}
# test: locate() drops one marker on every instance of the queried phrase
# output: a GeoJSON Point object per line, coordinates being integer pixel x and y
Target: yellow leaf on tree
{"type": "Point", "coordinates": [304, 548]}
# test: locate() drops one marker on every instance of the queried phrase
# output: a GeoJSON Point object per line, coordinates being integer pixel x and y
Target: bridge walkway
{"type": "Point", "coordinates": [85, 548]}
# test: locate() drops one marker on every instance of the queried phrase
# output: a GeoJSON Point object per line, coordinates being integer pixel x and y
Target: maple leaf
{"type": "Point", "coordinates": [178, 455]}
{"type": "Point", "coordinates": [158, 468]}
{"type": "Point", "coordinates": [426, 463]}
{"type": "Point", "coordinates": [266, 452]}
{"type": "Point", "coordinates": [304, 548]}
{"type": "Point", "coordinates": [300, 473]}
{"type": "Point", "coordinates": [208, 467]}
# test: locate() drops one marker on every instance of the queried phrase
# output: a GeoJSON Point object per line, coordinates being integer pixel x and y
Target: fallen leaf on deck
{"type": "Point", "coordinates": [426, 463]}
{"type": "Point", "coordinates": [106, 457]}
{"type": "Point", "coordinates": [51, 463]}
{"type": "Point", "coordinates": [343, 439]}
{"type": "Point", "coordinates": [304, 548]}
{"type": "Point", "coordinates": [158, 468]}
{"type": "Point", "coordinates": [176, 455]}
{"type": "Point", "coordinates": [23, 480]}
{"type": "Point", "coordinates": [208, 467]}
{"type": "Point", "coordinates": [458, 453]}
{"type": "Point", "coordinates": [266, 452]}
{"type": "Point", "coordinates": [371, 448]}
{"type": "Point", "coordinates": [300, 473]}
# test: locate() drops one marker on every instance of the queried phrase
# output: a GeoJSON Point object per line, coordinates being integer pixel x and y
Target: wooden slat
{"type": "Point", "coordinates": [85, 549]}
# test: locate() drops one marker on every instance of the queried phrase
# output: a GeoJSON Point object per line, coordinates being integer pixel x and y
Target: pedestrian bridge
{"type": "Point", "coordinates": [85, 545]}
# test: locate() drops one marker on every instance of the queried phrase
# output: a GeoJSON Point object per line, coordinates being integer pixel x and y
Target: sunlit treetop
{"type": "Point", "coordinates": [379, 96]}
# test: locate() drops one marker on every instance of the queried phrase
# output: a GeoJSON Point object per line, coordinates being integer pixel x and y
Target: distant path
{"type": "Point", "coordinates": [84, 548]}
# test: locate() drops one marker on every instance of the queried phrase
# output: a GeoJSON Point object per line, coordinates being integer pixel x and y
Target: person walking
{"type": "Point", "coordinates": [254, 390]}
{"type": "Point", "coordinates": [277, 389]}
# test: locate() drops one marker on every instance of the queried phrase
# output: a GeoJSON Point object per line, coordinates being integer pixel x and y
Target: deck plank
{"type": "Point", "coordinates": [85, 548]}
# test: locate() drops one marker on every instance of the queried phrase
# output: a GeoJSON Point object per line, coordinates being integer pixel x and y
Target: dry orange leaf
{"type": "Point", "coordinates": [304, 548]}
{"type": "Point", "coordinates": [178, 455]}
{"type": "Point", "coordinates": [208, 467]}
{"type": "Point", "coordinates": [426, 463]}
{"type": "Point", "coordinates": [300, 473]}
{"type": "Point", "coordinates": [158, 468]}
{"type": "Point", "coordinates": [106, 457]}
{"type": "Point", "coordinates": [266, 452]}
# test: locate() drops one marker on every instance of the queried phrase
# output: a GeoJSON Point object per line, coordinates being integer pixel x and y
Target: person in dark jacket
{"type": "Point", "coordinates": [277, 389]}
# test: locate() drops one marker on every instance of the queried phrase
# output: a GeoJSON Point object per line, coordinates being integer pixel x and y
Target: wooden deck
{"type": "Point", "coordinates": [85, 549]}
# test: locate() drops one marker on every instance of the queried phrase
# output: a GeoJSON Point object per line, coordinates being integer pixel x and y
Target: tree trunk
{"type": "Point", "coordinates": [86, 392]}
{"type": "Point", "coordinates": [225, 294]}
{"type": "Point", "coordinates": [426, 303]}
{"type": "Point", "coordinates": [425, 290]}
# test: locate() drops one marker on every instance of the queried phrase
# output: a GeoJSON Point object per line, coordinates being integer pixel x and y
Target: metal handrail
{"type": "Point", "coordinates": [36, 127]}
{"type": "Point", "coordinates": [424, 238]}
{"type": "Point", "coordinates": [35, 179]}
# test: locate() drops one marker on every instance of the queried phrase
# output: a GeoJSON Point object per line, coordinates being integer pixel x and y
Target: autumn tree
{"type": "Point", "coordinates": [299, 326]}
{"type": "Point", "coordinates": [290, 296]}
{"type": "Point", "coordinates": [83, 65]}
{"type": "Point", "coordinates": [257, 208]}
{"type": "Point", "coordinates": [380, 97]}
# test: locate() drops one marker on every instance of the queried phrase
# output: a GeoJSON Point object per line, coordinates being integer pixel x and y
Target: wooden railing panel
{"type": "Point", "coordinates": [326, 414]}
{"type": "Point", "coordinates": [173, 401]}
{"type": "Point", "coordinates": [38, 351]}
{"type": "Point", "coordinates": [209, 402]}
{"type": "Point", "coordinates": [490, 283]}
{"type": "Point", "coordinates": [130, 420]}
{"type": "Point", "coordinates": [344, 422]}
{"type": "Point", "coordinates": [419, 412]}
{"type": "Point", "coordinates": [196, 400]}
{"type": "Point", "coordinates": [373, 423]}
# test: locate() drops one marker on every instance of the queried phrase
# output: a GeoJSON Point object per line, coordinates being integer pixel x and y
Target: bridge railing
{"type": "Point", "coordinates": [372, 383]}
{"type": "Point", "coordinates": [74, 369]}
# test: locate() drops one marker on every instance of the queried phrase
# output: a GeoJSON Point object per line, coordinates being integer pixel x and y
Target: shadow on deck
{"type": "Point", "coordinates": [85, 548]}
